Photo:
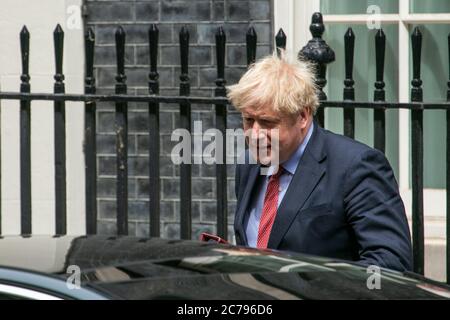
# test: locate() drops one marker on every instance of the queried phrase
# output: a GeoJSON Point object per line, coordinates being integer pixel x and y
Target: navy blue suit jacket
{"type": "Point", "coordinates": [343, 202]}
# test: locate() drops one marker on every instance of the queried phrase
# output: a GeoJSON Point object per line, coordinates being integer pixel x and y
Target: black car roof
{"type": "Point", "coordinates": [51, 254]}
{"type": "Point", "coordinates": [154, 268]}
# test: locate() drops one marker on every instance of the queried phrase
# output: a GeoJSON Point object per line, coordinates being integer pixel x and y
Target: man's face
{"type": "Point", "coordinates": [263, 126]}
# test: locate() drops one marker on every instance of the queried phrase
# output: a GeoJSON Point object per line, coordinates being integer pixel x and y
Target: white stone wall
{"type": "Point", "coordinates": [41, 18]}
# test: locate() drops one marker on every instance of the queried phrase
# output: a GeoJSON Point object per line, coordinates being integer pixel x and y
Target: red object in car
{"type": "Point", "coordinates": [211, 237]}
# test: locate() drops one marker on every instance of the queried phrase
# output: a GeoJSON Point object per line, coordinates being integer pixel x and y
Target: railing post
{"type": "Point", "coordinates": [121, 137]}
{"type": "Point", "coordinates": [185, 121]}
{"type": "Point", "coordinates": [379, 94]}
{"type": "Point", "coordinates": [25, 129]}
{"type": "Point", "coordinates": [349, 90]}
{"type": "Point", "coordinates": [221, 125]}
{"type": "Point", "coordinates": [153, 148]}
{"type": "Point", "coordinates": [417, 156]}
{"type": "Point", "coordinates": [60, 137]}
{"type": "Point", "coordinates": [90, 136]}
{"type": "Point", "coordinates": [280, 41]}
{"type": "Point", "coordinates": [250, 40]}
{"type": "Point", "coordinates": [448, 170]}
{"type": "Point", "coordinates": [318, 51]}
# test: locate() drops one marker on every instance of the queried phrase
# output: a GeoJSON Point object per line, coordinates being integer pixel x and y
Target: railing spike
{"type": "Point", "coordinates": [379, 116]}
{"type": "Point", "coordinates": [251, 39]}
{"type": "Point", "coordinates": [349, 90]}
{"type": "Point", "coordinates": [58, 38]}
{"type": "Point", "coordinates": [220, 55]}
{"type": "Point", "coordinates": [153, 38]}
{"type": "Point", "coordinates": [25, 52]}
{"type": "Point", "coordinates": [280, 41]}
{"type": "Point", "coordinates": [184, 52]}
{"type": "Point", "coordinates": [380, 47]}
{"type": "Point", "coordinates": [349, 42]}
{"type": "Point", "coordinates": [120, 53]}
{"type": "Point", "coordinates": [89, 40]}
{"type": "Point", "coordinates": [416, 41]}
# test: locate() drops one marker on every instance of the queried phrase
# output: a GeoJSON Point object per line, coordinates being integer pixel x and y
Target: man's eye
{"type": "Point", "coordinates": [248, 120]}
{"type": "Point", "coordinates": [266, 123]}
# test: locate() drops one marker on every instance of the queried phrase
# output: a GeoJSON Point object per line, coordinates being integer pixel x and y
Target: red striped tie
{"type": "Point", "coordinates": [269, 209]}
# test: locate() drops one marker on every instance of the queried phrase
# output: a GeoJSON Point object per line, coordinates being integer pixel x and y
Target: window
{"type": "Point", "coordinates": [398, 18]}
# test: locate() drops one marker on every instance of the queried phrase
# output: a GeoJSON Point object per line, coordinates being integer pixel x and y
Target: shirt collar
{"type": "Point", "coordinates": [291, 164]}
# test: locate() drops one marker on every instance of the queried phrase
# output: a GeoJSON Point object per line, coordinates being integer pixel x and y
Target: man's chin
{"type": "Point", "coordinates": [265, 161]}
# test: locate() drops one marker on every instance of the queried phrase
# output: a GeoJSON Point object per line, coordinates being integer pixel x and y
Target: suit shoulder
{"type": "Point", "coordinates": [346, 147]}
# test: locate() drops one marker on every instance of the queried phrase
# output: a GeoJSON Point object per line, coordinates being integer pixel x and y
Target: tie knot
{"type": "Point", "coordinates": [278, 173]}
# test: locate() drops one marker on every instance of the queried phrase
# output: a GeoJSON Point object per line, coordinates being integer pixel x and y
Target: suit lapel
{"type": "Point", "coordinates": [244, 203]}
{"type": "Point", "coordinates": [309, 172]}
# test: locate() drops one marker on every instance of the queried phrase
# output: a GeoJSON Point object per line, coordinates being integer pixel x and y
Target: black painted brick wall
{"type": "Point", "coordinates": [202, 17]}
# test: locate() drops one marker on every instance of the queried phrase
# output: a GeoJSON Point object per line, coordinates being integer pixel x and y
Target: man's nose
{"type": "Point", "coordinates": [258, 133]}
{"type": "Point", "coordinates": [256, 128]}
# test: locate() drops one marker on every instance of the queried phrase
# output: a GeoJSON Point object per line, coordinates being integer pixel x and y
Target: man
{"type": "Point", "coordinates": [330, 196]}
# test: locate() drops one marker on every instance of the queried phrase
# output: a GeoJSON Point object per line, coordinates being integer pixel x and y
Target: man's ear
{"type": "Point", "coordinates": [303, 118]}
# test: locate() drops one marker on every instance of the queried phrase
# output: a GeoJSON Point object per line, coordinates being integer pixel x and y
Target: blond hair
{"type": "Point", "coordinates": [285, 83]}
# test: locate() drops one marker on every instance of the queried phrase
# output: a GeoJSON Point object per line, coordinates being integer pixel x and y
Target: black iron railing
{"type": "Point", "coordinates": [316, 50]}
{"type": "Point", "coordinates": [121, 99]}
